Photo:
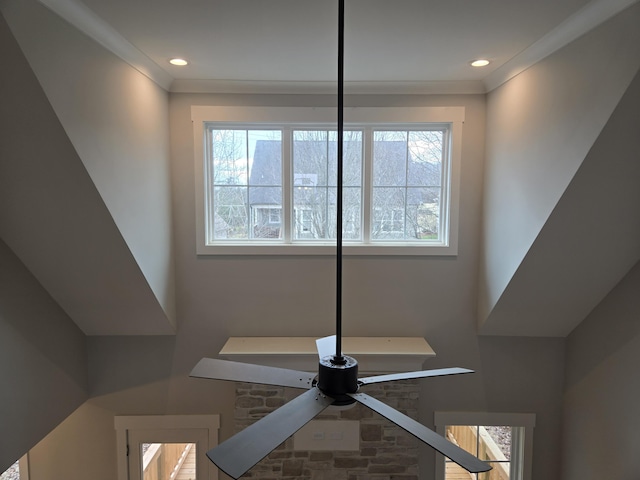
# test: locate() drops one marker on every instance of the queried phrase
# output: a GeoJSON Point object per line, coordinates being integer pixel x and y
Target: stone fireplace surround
{"type": "Point", "coordinates": [386, 451]}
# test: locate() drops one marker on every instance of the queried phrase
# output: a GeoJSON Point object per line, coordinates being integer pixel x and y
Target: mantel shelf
{"type": "Point", "coordinates": [374, 354]}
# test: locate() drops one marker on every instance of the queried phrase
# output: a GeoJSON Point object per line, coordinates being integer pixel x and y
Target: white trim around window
{"type": "Point", "coordinates": [257, 116]}
{"type": "Point", "coordinates": [521, 456]}
{"type": "Point", "coordinates": [200, 429]}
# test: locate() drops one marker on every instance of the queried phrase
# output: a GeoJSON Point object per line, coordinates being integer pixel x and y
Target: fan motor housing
{"type": "Point", "coordinates": [336, 379]}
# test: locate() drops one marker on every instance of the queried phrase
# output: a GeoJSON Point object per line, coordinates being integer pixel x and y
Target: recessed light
{"type": "Point", "coordinates": [481, 62]}
{"type": "Point", "coordinates": [180, 62]}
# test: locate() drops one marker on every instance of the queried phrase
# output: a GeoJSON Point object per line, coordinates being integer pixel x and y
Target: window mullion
{"type": "Point", "coordinates": [287, 186]}
{"type": "Point", "coordinates": [327, 210]}
{"type": "Point", "coordinates": [367, 184]}
{"type": "Point", "coordinates": [406, 186]}
{"type": "Point", "coordinates": [250, 232]}
{"type": "Point", "coordinates": [208, 186]}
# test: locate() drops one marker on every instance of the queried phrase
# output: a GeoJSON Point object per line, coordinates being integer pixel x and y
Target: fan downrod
{"type": "Point", "coordinates": [338, 376]}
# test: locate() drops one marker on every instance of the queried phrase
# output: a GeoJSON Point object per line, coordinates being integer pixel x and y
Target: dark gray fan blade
{"type": "Point", "coordinates": [431, 438]}
{"type": "Point", "coordinates": [326, 346]}
{"type": "Point", "coordinates": [408, 375]}
{"type": "Point", "coordinates": [246, 372]}
{"type": "Point", "coordinates": [242, 451]}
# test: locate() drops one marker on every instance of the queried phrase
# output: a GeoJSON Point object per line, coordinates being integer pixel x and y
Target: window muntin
{"type": "Point", "coordinates": [365, 119]}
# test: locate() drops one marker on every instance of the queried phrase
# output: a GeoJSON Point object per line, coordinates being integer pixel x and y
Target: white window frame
{"type": "Point", "coordinates": [126, 425]}
{"type": "Point", "coordinates": [526, 420]}
{"type": "Point", "coordinates": [384, 116]}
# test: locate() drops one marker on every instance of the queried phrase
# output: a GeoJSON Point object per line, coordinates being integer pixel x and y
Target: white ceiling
{"type": "Point", "coordinates": [399, 45]}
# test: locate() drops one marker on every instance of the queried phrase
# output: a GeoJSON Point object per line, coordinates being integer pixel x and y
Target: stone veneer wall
{"type": "Point", "coordinates": [386, 451]}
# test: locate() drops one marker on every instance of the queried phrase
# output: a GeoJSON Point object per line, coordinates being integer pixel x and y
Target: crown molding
{"type": "Point", "coordinates": [584, 20]}
{"type": "Point", "coordinates": [322, 88]}
{"type": "Point", "coordinates": [92, 25]}
{"type": "Point", "coordinates": [581, 22]}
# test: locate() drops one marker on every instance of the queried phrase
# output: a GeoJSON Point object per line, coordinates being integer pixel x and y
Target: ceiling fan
{"type": "Point", "coordinates": [336, 382]}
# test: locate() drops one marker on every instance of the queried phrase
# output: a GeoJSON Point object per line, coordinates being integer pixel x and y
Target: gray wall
{"type": "Point", "coordinates": [43, 361]}
{"type": "Point", "coordinates": [601, 424]}
{"type": "Point", "coordinates": [81, 447]}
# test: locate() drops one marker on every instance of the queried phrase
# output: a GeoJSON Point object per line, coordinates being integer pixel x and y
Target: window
{"type": "Point", "coordinates": [408, 168]}
{"type": "Point", "coordinates": [266, 180]}
{"type": "Point", "coordinates": [502, 440]}
{"type": "Point", "coordinates": [166, 447]}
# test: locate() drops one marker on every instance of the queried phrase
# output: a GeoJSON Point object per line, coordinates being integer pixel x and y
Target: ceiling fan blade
{"type": "Point", "coordinates": [408, 375]}
{"type": "Point", "coordinates": [326, 346]}
{"type": "Point", "coordinates": [243, 450]}
{"type": "Point", "coordinates": [250, 373]}
{"type": "Point", "coordinates": [461, 457]}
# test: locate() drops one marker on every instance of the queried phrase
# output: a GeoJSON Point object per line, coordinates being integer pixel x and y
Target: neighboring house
{"type": "Point", "coordinates": [314, 179]}
{"type": "Point", "coordinates": [265, 190]}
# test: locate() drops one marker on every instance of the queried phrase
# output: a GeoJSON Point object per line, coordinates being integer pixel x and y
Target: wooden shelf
{"type": "Point", "coordinates": [374, 354]}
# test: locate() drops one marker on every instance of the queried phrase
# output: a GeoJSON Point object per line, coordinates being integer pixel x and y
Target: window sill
{"type": "Point", "coordinates": [377, 249]}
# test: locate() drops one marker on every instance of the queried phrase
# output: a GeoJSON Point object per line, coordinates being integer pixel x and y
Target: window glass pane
{"type": "Point", "coordinates": [230, 215]}
{"type": "Point", "coordinates": [265, 212]}
{"type": "Point", "coordinates": [453, 471]}
{"type": "Point", "coordinates": [495, 443]}
{"type": "Point", "coordinates": [310, 158]}
{"type": "Point", "coordinates": [229, 157]}
{"type": "Point", "coordinates": [500, 471]}
{"type": "Point", "coordinates": [388, 213]}
{"type": "Point", "coordinates": [310, 207]}
{"type": "Point", "coordinates": [389, 158]}
{"type": "Point", "coordinates": [168, 461]}
{"type": "Point", "coordinates": [464, 436]}
{"type": "Point", "coordinates": [351, 158]}
{"type": "Point", "coordinates": [351, 213]}
{"type": "Point", "coordinates": [11, 473]}
{"type": "Point", "coordinates": [314, 180]}
{"type": "Point", "coordinates": [423, 213]}
{"type": "Point", "coordinates": [425, 158]}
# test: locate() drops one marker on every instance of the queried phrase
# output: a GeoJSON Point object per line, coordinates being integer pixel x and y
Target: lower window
{"type": "Point", "coordinates": [504, 441]}
{"type": "Point", "coordinates": [167, 461]}
{"type": "Point", "coordinates": [166, 447]}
